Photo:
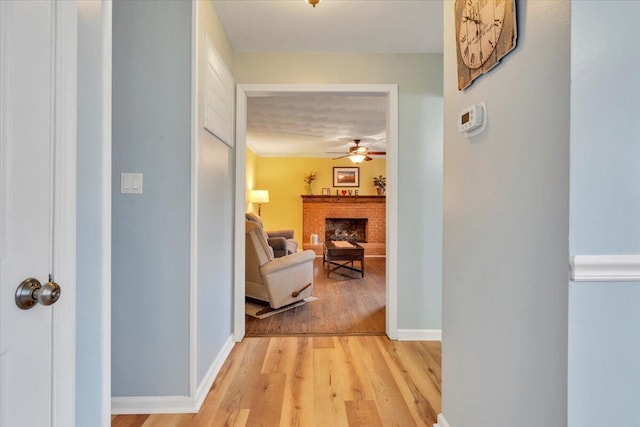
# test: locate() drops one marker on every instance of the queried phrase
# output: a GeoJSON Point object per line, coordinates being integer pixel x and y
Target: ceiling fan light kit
{"type": "Point", "coordinates": [358, 154]}
{"type": "Point", "coordinates": [357, 158]}
{"type": "Point", "coordinates": [313, 2]}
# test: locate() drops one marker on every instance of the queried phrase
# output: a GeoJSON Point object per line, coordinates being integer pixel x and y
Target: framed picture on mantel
{"type": "Point", "coordinates": [346, 177]}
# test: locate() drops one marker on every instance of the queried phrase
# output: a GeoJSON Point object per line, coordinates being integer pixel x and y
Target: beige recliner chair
{"type": "Point", "coordinates": [281, 241]}
{"type": "Point", "coordinates": [278, 281]}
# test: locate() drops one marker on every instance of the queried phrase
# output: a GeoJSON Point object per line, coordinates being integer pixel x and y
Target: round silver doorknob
{"type": "Point", "coordinates": [30, 292]}
{"type": "Point", "coordinates": [48, 293]}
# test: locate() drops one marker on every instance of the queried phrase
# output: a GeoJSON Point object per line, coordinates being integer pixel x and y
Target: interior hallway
{"type": "Point", "coordinates": [317, 381]}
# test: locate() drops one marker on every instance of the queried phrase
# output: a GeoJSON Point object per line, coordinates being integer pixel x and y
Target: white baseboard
{"type": "Point", "coordinates": [210, 376]}
{"type": "Point", "coordinates": [173, 404]}
{"type": "Point", "coordinates": [605, 268]}
{"type": "Point", "coordinates": [419, 334]}
{"type": "Point", "coordinates": [127, 405]}
{"type": "Point", "coordinates": [441, 422]}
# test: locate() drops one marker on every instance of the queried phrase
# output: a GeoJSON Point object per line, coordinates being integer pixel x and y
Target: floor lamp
{"type": "Point", "coordinates": [259, 197]}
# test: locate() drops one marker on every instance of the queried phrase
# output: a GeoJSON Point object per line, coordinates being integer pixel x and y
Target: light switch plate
{"type": "Point", "coordinates": [131, 183]}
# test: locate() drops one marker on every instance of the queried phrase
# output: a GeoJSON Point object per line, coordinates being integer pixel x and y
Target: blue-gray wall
{"type": "Point", "coordinates": [151, 135]}
{"type": "Point", "coordinates": [215, 251]}
{"type": "Point", "coordinates": [604, 322]}
{"type": "Point", "coordinates": [90, 244]}
{"type": "Point", "coordinates": [215, 211]}
{"type": "Point", "coordinates": [506, 231]}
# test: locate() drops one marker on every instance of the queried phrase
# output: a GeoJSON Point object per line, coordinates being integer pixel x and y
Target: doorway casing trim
{"type": "Point", "coordinates": [107, 75]}
{"type": "Point", "coordinates": [245, 91]}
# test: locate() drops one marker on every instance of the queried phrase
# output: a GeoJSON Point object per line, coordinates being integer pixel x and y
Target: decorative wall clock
{"type": "Point", "coordinates": [485, 33]}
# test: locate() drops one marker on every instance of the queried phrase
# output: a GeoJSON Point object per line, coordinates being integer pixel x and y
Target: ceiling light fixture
{"type": "Point", "coordinates": [313, 2]}
{"type": "Point", "coordinates": [356, 158]}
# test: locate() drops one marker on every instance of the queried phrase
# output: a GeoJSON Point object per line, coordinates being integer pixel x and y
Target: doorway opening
{"type": "Point", "coordinates": [389, 272]}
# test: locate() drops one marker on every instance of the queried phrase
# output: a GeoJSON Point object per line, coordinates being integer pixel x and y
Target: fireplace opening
{"type": "Point", "coordinates": [349, 229]}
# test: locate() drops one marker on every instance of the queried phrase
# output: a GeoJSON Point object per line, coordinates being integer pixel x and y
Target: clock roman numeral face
{"type": "Point", "coordinates": [480, 26]}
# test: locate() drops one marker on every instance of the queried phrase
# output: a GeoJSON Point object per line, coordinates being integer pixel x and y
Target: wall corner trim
{"type": "Point", "coordinates": [605, 268]}
{"type": "Point", "coordinates": [212, 372]}
{"type": "Point", "coordinates": [419, 334]}
{"type": "Point", "coordinates": [173, 404]}
{"type": "Point", "coordinates": [442, 422]}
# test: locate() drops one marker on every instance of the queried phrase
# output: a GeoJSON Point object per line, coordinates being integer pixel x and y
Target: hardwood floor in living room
{"type": "Point", "coordinates": [347, 305]}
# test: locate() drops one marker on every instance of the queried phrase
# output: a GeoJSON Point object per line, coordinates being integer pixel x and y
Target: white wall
{"type": "Point", "coordinates": [419, 77]}
{"type": "Point", "coordinates": [604, 343]}
{"type": "Point", "coordinates": [506, 231]}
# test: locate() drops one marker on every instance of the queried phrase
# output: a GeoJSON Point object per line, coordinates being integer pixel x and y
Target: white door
{"type": "Point", "coordinates": [37, 210]}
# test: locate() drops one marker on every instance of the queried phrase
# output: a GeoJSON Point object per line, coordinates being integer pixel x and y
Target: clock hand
{"type": "Point", "coordinates": [468, 18]}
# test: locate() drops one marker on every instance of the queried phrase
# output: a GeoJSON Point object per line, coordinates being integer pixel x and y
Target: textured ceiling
{"type": "Point", "coordinates": [382, 26]}
{"type": "Point", "coordinates": [315, 125]}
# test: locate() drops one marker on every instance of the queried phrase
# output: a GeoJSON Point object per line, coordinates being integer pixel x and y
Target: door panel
{"type": "Point", "coordinates": [26, 158]}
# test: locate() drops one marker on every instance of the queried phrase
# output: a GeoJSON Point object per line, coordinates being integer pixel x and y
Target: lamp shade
{"type": "Point", "coordinates": [356, 158]}
{"type": "Point", "coordinates": [259, 196]}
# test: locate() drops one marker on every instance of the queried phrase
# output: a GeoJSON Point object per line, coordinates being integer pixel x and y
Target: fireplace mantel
{"type": "Point", "coordinates": [315, 209]}
{"type": "Point", "coordinates": [343, 199]}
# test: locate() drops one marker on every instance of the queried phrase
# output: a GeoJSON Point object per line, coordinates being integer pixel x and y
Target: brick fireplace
{"type": "Point", "coordinates": [368, 211]}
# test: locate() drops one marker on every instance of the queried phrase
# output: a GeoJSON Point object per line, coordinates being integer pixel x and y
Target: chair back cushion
{"type": "Point", "coordinates": [255, 218]}
{"type": "Point", "coordinates": [257, 251]}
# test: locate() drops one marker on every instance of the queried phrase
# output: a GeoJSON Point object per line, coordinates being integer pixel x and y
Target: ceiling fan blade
{"type": "Point", "coordinates": [359, 150]}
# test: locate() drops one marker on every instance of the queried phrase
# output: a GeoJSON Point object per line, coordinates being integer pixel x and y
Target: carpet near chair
{"type": "Point", "coordinates": [260, 310]}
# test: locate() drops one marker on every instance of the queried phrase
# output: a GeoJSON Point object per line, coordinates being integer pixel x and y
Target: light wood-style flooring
{"type": "Point", "coordinates": [317, 381]}
{"type": "Point", "coordinates": [347, 305]}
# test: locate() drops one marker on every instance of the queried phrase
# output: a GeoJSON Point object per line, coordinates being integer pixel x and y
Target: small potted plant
{"type": "Point", "coordinates": [380, 182]}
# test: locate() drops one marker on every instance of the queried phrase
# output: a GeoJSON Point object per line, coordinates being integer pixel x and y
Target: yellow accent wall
{"type": "Point", "coordinates": [283, 177]}
{"type": "Point", "coordinates": [251, 176]}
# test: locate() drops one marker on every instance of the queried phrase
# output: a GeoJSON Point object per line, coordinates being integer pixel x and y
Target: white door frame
{"type": "Point", "coordinates": [107, 74]}
{"type": "Point", "coordinates": [258, 90]}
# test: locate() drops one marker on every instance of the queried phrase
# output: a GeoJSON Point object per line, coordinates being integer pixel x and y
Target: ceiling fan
{"type": "Point", "coordinates": [358, 153]}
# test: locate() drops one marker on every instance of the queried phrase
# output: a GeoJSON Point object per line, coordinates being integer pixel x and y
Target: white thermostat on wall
{"type": "Point", "coordinates": [473, 119]}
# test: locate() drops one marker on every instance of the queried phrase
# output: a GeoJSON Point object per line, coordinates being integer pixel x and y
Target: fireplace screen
{"type": "Point", "coordinates": [349, 229]}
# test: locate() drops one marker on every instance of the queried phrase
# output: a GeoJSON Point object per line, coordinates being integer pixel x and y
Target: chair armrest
{"type": "Point", "coordinates": [277, 243]}
{"type": "Point", "coordinates": [287, 234]}
{"type": "Point", "coordinates": [288, 279]}
{"type": "Point", "coordinates": [288, 261]}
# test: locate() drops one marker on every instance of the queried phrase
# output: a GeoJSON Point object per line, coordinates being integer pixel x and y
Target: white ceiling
{"type": "Point", "coordinates": [364, 26]}
{"type": "Point", "coordinates": [312, 125]}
